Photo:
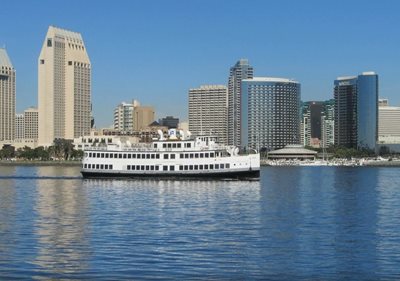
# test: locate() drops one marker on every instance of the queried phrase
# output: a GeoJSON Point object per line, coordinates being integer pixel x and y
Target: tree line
{"type": "Point", "coordinates": [61, 149]}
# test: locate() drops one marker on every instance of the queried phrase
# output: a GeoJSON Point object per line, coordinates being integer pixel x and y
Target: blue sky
{"type": "Point", "coordinates": [154, 51]}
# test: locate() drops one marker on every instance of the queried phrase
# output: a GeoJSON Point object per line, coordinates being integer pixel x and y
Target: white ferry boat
{"type": "Point", "coordinates": [177, 157]}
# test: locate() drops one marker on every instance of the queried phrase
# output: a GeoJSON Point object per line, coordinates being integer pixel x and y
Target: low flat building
{"type": "Point", "coordinates": [293, 151]}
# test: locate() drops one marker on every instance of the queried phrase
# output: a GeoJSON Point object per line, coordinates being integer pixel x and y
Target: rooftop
{"type": "Point", "coordinates": [271, 79]}
{"type": "Point", "coordinates": [4, 59]}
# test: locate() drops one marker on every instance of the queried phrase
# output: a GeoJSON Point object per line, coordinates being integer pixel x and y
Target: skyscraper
{"type": "Point", "coordinates": [64, 87]}
{"type": "Point", "coordinates": [19, 126]}
{"type": "Point", "coordinates": [7, 97]}
{"type": "Point", "coordinates": [356, 111]}
{"type": "Point", "coordinates": [208, 107]}
{"type": "Point", "coordinates": [270, 112]}
{"type": "Point", "coordinates": [241, 70]}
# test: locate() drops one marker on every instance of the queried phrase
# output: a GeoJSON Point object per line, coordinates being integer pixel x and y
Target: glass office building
{"type": "Point", "coordinates": [270, 112]}
{"type": "Point", "coordinates": [356, 111]}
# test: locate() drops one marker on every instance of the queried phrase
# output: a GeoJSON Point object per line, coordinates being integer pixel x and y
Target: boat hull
{"type": "Point", "coordinates": [238, 175]}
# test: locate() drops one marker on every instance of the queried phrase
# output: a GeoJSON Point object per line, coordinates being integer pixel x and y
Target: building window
{"type": "Point", "coordinates": [41, 61]}
{"type": "Point", "coordinates": [49, 43]}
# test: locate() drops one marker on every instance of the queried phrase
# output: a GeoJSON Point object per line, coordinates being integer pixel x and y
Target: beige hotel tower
{"type": "Point", "coordinates": [64, 89]}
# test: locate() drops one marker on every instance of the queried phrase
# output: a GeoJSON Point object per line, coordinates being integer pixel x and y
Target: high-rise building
{"type": "Point", "coordinates": [270, 112]}
{"type": "Point", "coordinates": [208, 107]}
{"type": "Point", "coordinates": [64, 87]}
{"type": "Point", "coordinates": [356, 111]}
{"type": "Point", "coordinates": [31, 123]}
{"type": "Point", "coordinates": [169, 121]}
{"type": "Point", "coordinates": [317, 123]}
{"type": "Point", "coordinates": [241, 70]}
{"type": "Point", "coordinates": [7, 97]}
{"type": "Point", "coordinates": [328, 124]}
{"type": "Point", "coordinates": [123, 117]}
{"type": "Point", "coordinates": [19, 126]}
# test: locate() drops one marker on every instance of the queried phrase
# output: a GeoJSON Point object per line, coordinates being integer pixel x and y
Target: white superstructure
{"type": "Point", "coordinates": [177, 156]}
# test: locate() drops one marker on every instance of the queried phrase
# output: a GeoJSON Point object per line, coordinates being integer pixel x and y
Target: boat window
{"type": "Point", "coordinates": [134, 156]}
{"type": "Point", "coordinates": [155, 145]}
{"type": "Point", "coordinates": [164, 145]}
{"type": "Point", "coordinates": [85, 166]}
{"type": "Point", "coordinates": [201, 167]}
{"type": "Point", "coordinates": [147, 168]}
{"type": "Point", "coordinates": [180, 167]}
{"type": "Point", "coordinates": [201, 155]}
{"type": "Point", "coordinates": [196, 155]}
{"type": "Point", "coordinates": [211, 167]}
{"type": "Point", "coordinates": [153, 156]}
{"type": "Point", "coordinates": [133, 167]}
{"type": "Point", "coordinates": [137, 167]}
{"type": "Point", "coordinates": [111, 166]}
{"type": "Point", "coordinates": [174, 145]}
{"type": "Point", "coordinates": [124, 155]}
{"type": "Point", "coordinates": [227, 166]}
{"type": "Point", "coordinates": [147, 156]}
{"type": "Point", "coordinates": [97, 166]}
{"type": "Point", "coordinates": [102, 166]}
{"type": "Point", "coordinates": [172, 156]}
{"type": "Point", "coordinates": [106, 166]}
{"type": "Point", "coordinates": [186, 167]}
{"type": "Point", "coordinates": [211, 154]}
{"type": "Point", "coordinates": [165, 168]}
{"type": "Point", "coordinates": [157, 156]}
{"type": "Point", "coordinates": [128, 167]}
{"type": "Point", "coordinates": [129, 156]}
{"type": "Point", "coordinates": [165, 156]}
{"type": "Point", "coordinates": [142, 167]}
{"type": "Point", "coordinates": [169, 145]}
{"type": "Point", "coordinates": [181, 155]}
{"type": "Point", "coordinates": [191, 155]}
{"type": "Point", "coordinates": [221, 166]}
{"type": "Point", "coordinates": [190, 167]}
{"type": "Point", "coordinates": [179, 145]}
{"type": "Point", "coordinates": [157, 168]}
{"type": "Point", "coordinates": [196, 167]}
{"type": "Point", "coordinates": [152, 168]}
{"type": "Point", "coordinates": [172, 168]}
{"type": "Point", "coordinates": [205, 167]}
{"type": "Point", "coordinates": [186, 155]}
{"type": "Point", "coordinates": [216, 166]}
{"type": "Point", "coordinates": [89, 166]}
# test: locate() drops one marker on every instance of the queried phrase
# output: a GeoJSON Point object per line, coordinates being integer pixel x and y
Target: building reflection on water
{"type": "Point", "coordinates": [62, 226]}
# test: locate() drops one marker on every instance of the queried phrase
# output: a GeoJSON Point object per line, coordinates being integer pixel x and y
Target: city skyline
{"type": "Point", "coordinates": [164, 49]}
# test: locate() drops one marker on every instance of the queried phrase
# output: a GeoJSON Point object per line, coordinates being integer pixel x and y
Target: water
{"type": "Point", "coordinates": [320, 223]}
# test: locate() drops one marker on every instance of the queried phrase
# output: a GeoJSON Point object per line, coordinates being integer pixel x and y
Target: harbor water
{"type": "Point", "coordinates": [296, 223]}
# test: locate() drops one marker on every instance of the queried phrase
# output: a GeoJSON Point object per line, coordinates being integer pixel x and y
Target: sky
{"type": "Point", "coordinates": [155, 51]}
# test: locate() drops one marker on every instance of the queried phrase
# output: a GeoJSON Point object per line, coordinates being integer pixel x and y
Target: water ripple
{"type": "Point", "coordinates": [296, 223]}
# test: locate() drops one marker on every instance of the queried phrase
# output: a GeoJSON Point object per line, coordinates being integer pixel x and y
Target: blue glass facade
{"type": "Point", "coordinates": [356, 111]}
{"type": "Point", "coordinates": [367, 110]}
{"type": "Point", "coordinates": [270, 113]}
